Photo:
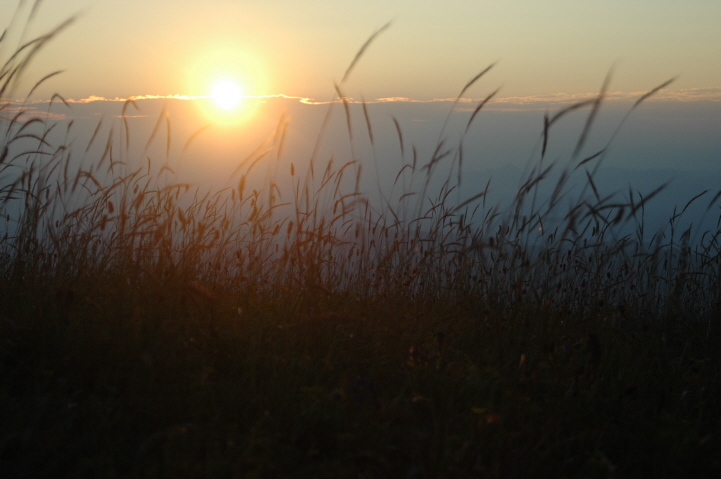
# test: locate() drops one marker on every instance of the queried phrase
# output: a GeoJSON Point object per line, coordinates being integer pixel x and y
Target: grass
{"type": "Point", "coordinates": [153, 329]}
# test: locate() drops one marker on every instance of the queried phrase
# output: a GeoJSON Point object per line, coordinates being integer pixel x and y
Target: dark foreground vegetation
{"type": "Point", "coordinates": [150, 329]}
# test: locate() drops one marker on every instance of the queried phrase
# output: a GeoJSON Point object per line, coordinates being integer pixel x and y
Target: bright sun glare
{"type": "Point", "coordinates": [229, 80]}
{"type": "Point", "coordinates": [227, 94]}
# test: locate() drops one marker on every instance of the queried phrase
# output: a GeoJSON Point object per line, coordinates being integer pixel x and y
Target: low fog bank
{"type": "Point", "coordinates": [678, 199]}
{"type": "Point", "coordinates": [660, 142]}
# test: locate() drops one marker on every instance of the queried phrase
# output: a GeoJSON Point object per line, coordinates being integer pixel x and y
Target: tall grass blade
{"type": "Point", "coordinates": [592, 115]}
{"type": "Point", "coordinates": [363, 49]}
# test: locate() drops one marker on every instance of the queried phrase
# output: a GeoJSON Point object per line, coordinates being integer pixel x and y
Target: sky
{"type": "Point", "coordinates": [159, 47]}
{"type": "Point", "coordinates": [287, 57]}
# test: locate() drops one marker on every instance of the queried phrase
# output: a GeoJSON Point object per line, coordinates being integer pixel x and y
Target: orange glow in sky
{"type": "Point", "coordinates": [302, 48]}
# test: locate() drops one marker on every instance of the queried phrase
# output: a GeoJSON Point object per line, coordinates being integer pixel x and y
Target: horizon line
{"type": "Point", "coordinates": [712, 94]}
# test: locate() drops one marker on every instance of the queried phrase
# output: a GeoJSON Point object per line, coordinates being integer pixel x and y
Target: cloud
{"type": "Point", "coordinates": [510, 103]}
{"type": "Point", "coordinates": [547, 101]}
{"type": "Point", "coordinates": [692, 94]}
{"type": "Point", "coordinates": [560, 99]}
{"type": "Point", "coordinates": [401, 99]}
{"type": "Point", "coordinates": [21, 113]}
{"type": "Point", "coordinates": [95, 98]}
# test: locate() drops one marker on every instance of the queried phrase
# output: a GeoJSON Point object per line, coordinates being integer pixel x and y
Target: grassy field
{"type": "Point", "coordinates": [155, 329]}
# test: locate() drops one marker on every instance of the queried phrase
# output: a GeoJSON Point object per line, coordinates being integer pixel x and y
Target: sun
{"type": "Point", "coordinates": [226, 94]}
{"type": "Point", "coordinates": [227, 102]}
{"type": "Point", "coordinates": [228, 81]}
